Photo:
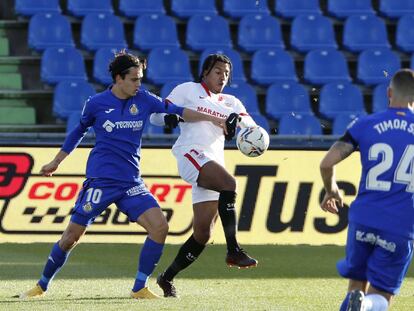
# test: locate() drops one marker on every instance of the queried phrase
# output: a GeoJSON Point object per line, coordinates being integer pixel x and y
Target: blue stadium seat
{"type": "Point", "coordinates": [364, 31]}
{"type": "Point", "coordinates": [311, 32]}
{"type": "Point", "coordinates": [236, 60]}
{"type": "Point", "coordinates": [167, 88]}
{"type": "Point", "coordinates": [380, 99]}
{"type": "Point", "coordinates": [341, 122]}
{"type": "Point", "coordinates": [48, 30]}
{"type": "Point", "coordinates": [155, 30]}
{"type": "Point", "coordinates": [405, 33]}
{"type": "Point", "coordinates": [258, 31]}
{"type": "Point", "coordinates": [28, 8]}
{"type": "Point", "coordinates": [134, 8]}
{"type": "Point", "coordinates": [70, 96]}
{"type": "Point", "coordinates": [325, 66]}
{"type": "Point", "coordinates": [102, 30]}
{"type": "Point", "coordinates": [168, 64]}
{"type": "Point", "coordinates": [297, 124]}
{"type": "Point", "coordinates": [188, 8]}
{"type": "Point", "coordinates": [377, 66]}
{"type": "Point", "coordinates": [261, 120]}
{"type": "Point", "coordinates": [101, 61]}
{"type": "Point", "coordinates": [59, 64]}
{"type": "Point", "coordinates": [396, 8]}
{"type": "Point", "coordinates": [245, 93]}
{"type": "Point", "coordinates": [237, 9]}
{"type": "Point", "coordinates": [286, 98]}
{"type": "Point", "coordinates": [336, 98]}
{"type": "Point", "coordinates": [292, 8]}
{"type": "Point", "coordinates": [81, 8]}
{"type": "Point", "coordinates": [344, 8]}
{"type": "Point", "coordinates": [272, 65]}
{"type": "Point", "coordinates": [207, 31]}
{"type": "Point", "coordinates": [73, 121]}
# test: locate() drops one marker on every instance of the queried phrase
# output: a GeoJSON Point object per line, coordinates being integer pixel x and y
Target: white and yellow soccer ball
{"type": "Point", "coordinates": [252, 141]}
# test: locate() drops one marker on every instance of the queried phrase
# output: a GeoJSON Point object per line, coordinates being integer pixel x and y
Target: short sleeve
{"type": "Point", "coordinates": [178, 95]}
{"type": "Point", "coordinates": [158, 105]}
{"type": "Point", "coordinates": [239, 107]}
{"type": "Point", "coordinates": [353, 132]}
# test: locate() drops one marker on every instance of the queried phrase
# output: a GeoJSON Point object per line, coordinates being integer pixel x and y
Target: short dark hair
{"type": "Point", "coordinates": [211, 60]}
{"type": "Point", "coordinates": [403, 83]}
{"type": "Point", "coordinates": [122, 62]}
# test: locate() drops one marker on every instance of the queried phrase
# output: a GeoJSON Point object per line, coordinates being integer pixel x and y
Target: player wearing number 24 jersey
{"type": "Point", "coordinates": [381, 218]}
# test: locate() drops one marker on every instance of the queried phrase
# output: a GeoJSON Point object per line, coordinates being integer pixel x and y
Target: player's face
{"type": "Point", "coordinates": [129, 86]}
{"type": "Point", "coordinates": [217, 78]}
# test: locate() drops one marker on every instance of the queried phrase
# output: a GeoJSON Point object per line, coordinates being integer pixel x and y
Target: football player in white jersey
{"type": "Point", "coordinates": [199, 151]}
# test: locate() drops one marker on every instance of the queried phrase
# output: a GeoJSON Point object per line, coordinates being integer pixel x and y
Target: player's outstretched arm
{"type": "Point", "coordinates": [338, 152]}
{"type": "Point", "coordinates": [52, 166]}
{"type": "Point", "coordinates": [190, 115]}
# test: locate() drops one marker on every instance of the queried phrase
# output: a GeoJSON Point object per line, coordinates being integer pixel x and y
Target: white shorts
{"type": "Point", "coordinates": [189, 162]}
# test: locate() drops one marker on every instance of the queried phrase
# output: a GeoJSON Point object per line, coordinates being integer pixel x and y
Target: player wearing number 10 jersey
{"type": "Point", "coordinates": [380, 237]}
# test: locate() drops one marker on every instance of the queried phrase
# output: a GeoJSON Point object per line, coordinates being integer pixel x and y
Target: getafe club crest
{"type": "Point", "coordinates": [87, 207]}
{"type": "Point", "coordinates": [133, 109]}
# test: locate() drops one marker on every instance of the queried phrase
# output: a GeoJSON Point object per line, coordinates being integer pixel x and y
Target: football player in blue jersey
{"type": "Point", "coordinates": [379, 245]}
{"type": "Point", "coordinates": [118, 116]}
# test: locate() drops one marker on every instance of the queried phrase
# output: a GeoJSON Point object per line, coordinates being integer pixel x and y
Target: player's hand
{"type": "Point", "coordinates": [231, 124]}
{"type": "Point", "coordinates": [49, 168]}
{"type": "Point", "coordinates": [331, 200]}
{"type": "Point", "coordinates": [171, 120]}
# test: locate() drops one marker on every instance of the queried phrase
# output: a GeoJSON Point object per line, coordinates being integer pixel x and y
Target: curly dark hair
{"type": "Point", "coordinates": [122, 62]}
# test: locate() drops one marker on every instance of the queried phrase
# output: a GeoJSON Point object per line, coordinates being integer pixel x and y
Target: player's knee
{"type": "Point", "coordinates": [202, 236]}
{"type": "Point", "coordinates": [160, 231]}
{"type": "Point", "coordinates": [163, 230]}
{"type": "Point", "coordinates": [230, 183]}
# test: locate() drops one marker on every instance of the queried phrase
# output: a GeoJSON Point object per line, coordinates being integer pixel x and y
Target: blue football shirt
{"type": "Point", "coordinates": [385, 195]}
{"type": "Point", "coordinates": [118, 126]}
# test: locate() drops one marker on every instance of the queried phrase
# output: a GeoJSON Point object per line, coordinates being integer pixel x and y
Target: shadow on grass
{"type": "Point", "coordinates": [96, 261]}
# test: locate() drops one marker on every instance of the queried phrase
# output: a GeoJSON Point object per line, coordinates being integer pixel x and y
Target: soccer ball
{"type": "Point", "coordinates": [252, 141]}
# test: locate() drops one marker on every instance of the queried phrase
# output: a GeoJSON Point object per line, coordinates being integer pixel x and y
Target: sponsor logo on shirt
{"type": "Point", "coordinates": [211, 112]}
{"type": "Point", "coordinates": [134, 125]}
{"type": "Point", "coordinates": [109, 110]}
{"type": "Point", "coordinates": [108, 126]}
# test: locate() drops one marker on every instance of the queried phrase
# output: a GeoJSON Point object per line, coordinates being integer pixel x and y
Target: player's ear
{"type": "Point", "coordinates": [389, 92]}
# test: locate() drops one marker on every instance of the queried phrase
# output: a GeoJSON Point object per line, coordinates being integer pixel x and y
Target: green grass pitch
{"type": "Point", "coordinates": [100, 276]}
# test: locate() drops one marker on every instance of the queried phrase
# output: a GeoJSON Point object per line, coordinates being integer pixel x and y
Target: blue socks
{"type": "Point", "coordinates": [56, 260]}
{"type": "Point", "coordinates": [148, 259]}
{"type": "Point", "coordinates": [344, 304]}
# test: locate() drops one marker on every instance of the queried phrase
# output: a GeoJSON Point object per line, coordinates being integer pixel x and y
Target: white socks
{"type": "Point", "coordinates": [375, 302]}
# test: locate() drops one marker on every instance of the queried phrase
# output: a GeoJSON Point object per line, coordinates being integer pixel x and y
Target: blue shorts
{"type": "Point", "coordinates": [376, 256]}
{"type": "Point", "coordinates": [97, 194]}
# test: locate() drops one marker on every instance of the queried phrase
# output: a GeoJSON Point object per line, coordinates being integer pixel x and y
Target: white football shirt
{"type": "Point", "coordinates": [204, 135]}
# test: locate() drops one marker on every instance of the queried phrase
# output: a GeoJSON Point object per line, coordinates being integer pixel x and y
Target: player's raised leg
{"type": "Point", "coordinates": [215, 177]}
{"type": "Point", "coordinates": [154, 222]}
{"type": "Point", "coordinates": [57, 258]}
